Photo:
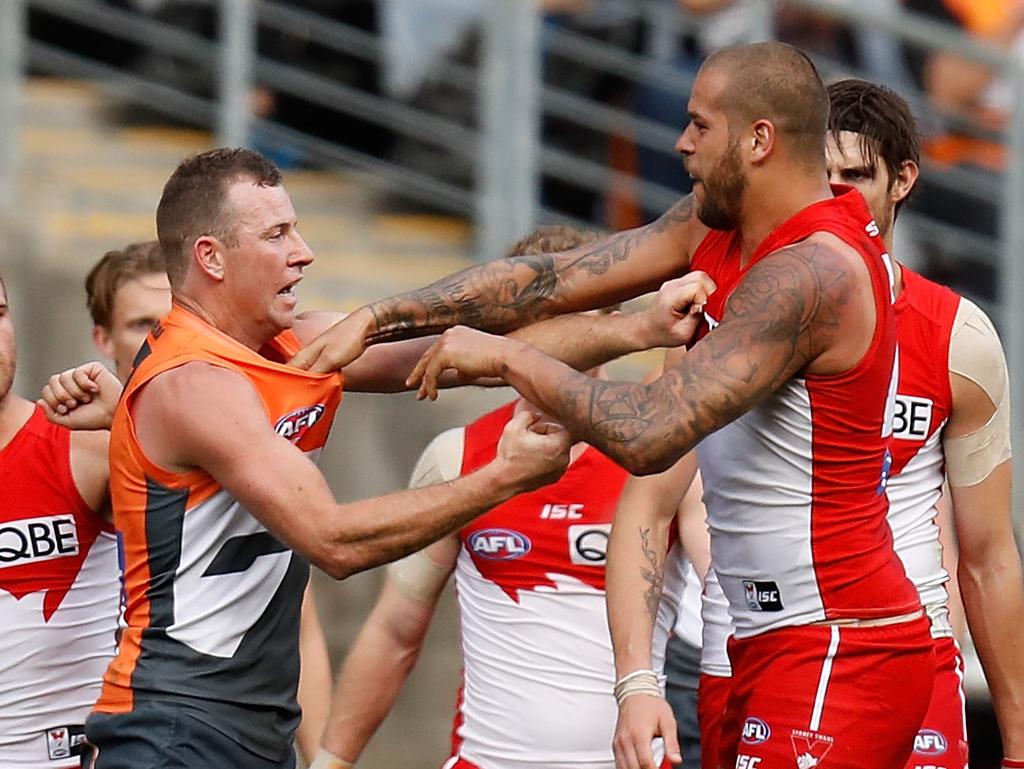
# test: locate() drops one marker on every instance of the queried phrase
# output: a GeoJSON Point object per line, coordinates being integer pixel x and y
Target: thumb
{"type": "Point", "coordinates": [671, 737]}
{"type": "Point", "coordinates": [307, 356]}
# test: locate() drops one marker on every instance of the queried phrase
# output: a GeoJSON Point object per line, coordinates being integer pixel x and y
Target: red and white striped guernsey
{"type": "Point", "coordinates": [795, 488]}
{"type": "Point", "coordinates": [538, 670]}
{"type": "Point", "coordinates": [60, 588]}
{"type": "Point", "coordinates": [925, 312]}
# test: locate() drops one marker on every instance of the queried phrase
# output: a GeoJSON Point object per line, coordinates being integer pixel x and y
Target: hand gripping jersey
{"type": "Point", "coordinates": [538, 668]}
{"type": "Point", "coordinates": [59, 595]}
{"type": "Point", "coordinates": [212, 597]}
{"type": "Point", "coordinates": [795, 488]}
{"type": "Point", "coordinates": [924, 313]}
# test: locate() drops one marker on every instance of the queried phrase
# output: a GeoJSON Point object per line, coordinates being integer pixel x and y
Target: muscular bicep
{"type": "Point", "coordinates": [224, 430]}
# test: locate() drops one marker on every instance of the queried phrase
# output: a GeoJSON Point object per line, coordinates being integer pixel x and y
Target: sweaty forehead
{"type": "Point", "coordinates": [708, 89]}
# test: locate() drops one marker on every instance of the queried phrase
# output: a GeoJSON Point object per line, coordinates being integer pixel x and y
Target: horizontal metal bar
{"type": "Point", "coordinates": [133, 27]}
{"type": "Point", "coordinates": [595, 177]}
{"type": "Point", "coordinates": [605, 58]}
{"type": "Point", "coordinates": [375, 109]}
{"type": "Point", "coordinates": [329, 33]}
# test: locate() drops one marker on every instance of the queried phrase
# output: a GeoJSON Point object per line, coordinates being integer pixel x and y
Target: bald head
{"type": "Point", "coordinates": [778, 83]}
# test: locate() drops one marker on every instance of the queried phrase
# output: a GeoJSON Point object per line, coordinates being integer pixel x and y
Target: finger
{"type": "Point", "coordinates": [73, 388]}
{"type": "Point", "coordinates": [625, 754]}
{"type": "Point", "coordinates": [307, 356]}
{"type": "Point", "coordinates": [85, 378]}
{"type": "Point", "coordinates": [60, 396]}
{"type": "Point", "coordinates": [415, 377]}
{"type": "Point", "coordinates": [671, 737]}
{"type": "Point", "coordinates": [435, 368]}
{"type": "Point", "coordinates": [52, 415]}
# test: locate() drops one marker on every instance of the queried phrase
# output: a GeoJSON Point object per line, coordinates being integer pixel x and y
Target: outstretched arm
{"type": "Point", "coordinates": [229, 437]}
{"type": "Point", "coordinates": [508, 293]}
{"type": "Point", "coordinates": [783, 315]}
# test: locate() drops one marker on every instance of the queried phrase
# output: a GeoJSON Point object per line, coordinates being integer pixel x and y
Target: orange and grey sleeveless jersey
{"type": "Point", "coordinates": [212, 597]}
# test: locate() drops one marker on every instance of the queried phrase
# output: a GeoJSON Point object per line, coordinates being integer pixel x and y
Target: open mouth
{"type": "Point", "coordinates": [289, 290]}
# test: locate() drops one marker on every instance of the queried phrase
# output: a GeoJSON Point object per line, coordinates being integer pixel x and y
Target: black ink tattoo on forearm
{"type": "Point", "coordinates": [652, 572]}
{"type": "Point", "coordinates": [507, 293]}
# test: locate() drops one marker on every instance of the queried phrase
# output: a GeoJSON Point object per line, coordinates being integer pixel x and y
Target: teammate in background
{"type": "Point", "coordinates": [59, 576]}
{"type": "Point", "coordinates": [212, 487]}
{"type": "Point", "coordinates": [959, 422]}
{"type": "Point", "coordinates": [788, 397]}
{"type": "Point", "coordinates": [530, 584]}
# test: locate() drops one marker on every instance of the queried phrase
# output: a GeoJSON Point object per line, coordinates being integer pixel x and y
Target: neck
{"type": "Point", "coordinates": [15, 411]}
{"type": "Point", "coordinates": [766, 207]}
{"type": "Point", "coordinates": [222, 319]}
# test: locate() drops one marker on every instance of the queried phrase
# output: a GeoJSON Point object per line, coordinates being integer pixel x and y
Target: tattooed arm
{"type": "Point", "coordinates": [784, 317]}
{"type": "Point", "coordinates": [508, 293]}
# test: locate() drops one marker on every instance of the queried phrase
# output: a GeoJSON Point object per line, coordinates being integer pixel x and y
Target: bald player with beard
{"type": "Point", "coordinates": [788, 398]}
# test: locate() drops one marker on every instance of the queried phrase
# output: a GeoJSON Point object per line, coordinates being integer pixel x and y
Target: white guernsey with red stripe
{"type": "Point", "coordinates": [538, 670]}
{"type": "Point", "coordinates": [795, 488]}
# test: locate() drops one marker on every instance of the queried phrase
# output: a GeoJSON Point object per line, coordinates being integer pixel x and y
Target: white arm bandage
{"type": "Point", "coordinates": [417, 575]}
{"type": "Point", "coordinates": [975, 353]}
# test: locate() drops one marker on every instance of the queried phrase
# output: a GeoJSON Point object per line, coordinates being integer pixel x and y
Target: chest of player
{"type": "Point", "coordinates": [562, 528]}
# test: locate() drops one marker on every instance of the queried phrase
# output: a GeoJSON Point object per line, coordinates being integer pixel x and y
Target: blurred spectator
{"type": "Point", "coordinates": [973, 104]}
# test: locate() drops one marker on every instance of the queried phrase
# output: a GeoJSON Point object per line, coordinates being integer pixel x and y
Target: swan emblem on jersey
{"type": "Point", "coordinates": [499, 544]}
{"type": "Point", "coordinates": [294, 424]}
{"type": "Point", "coordinates": [810, 748]}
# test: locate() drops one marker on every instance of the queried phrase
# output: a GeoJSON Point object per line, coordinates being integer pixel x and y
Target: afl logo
{"type": "Point", "coordinates": [929, 742]}
{"type": "Point", "coordinates": [755, 731]}
{"type": "Point", "coordinates": [499, 544]}
{"type": "Point", "coordinates": [294, 424]}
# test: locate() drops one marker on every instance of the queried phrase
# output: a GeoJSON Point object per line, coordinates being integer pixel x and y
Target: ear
{"type": "Point", "coordinates": [762, 141]}
{"type": "Point", "coordinates": [904, 181]}
{"type": "Point", "coordinates": [207, 255]}
{"type": "Point", "coordinates": [101, 338]}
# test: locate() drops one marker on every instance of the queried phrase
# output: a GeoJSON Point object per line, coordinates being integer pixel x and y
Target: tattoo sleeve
{"type": "Point", "coordinates": [783, 313]}
{"type": "Point", "coordinates": [653, 573]}
{"type": "Point", "coordinates": [507, 293]}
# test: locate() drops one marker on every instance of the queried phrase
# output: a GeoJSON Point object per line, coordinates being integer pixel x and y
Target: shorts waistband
{"type": "Point", "coordinates": [897, 619]}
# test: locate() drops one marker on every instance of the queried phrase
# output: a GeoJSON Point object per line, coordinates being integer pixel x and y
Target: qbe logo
{"type": "Point", "coordinates": [929, 742]}
{"type": "Point", "coordinates": [499, 544]}
{"type": "Point", "coordinates": [33, 540]}
{"type": "Point", "coordinates": [755, 731]}
{"type": "Point", "coordinates": [912, 420]}
{"type": "Point", "coordinates": [294, 424]}
{"type": "Point", "coordinates": [588, 544]}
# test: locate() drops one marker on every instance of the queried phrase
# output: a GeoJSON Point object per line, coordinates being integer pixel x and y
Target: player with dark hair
{"type": "Point", "coordinates": [787, 398]}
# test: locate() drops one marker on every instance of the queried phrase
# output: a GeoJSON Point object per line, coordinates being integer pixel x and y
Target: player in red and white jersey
{"type": "Point", "coordinates": [59, 576]}
{"type": "Point", "coordinates": [537, 660]}
{"type": "Point", "coordinates": [790, 397]}
{"type": "Point", "coordinates": [951, 421]}
{"type": "Point", "coordinates": [529, 576]}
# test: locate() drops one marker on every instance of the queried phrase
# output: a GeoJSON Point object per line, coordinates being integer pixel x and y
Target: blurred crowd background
{"type": "Point", "coordinates": [419, 135]}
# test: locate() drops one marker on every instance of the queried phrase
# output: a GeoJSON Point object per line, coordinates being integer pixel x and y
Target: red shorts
{"type": "Point", "coordinates": [941, 741]}
{"type": "Point", "coordinates": [827, 696]}
{"type": "Point", "coordinates": [712, 696]}
{"type": "Point", "coordinates": [458, 762]}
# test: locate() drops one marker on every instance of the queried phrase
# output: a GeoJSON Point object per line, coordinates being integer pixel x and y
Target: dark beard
{"type": "Point", "coordinates": [723, 191]}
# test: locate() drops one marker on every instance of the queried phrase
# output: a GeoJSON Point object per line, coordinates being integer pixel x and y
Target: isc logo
{"type": "Point", "coordinates": [38, 539]}
{"type": "Point", "coordinates": [499, 544]}
{"type": "Point", "coordinates": [747, 762]}
{"type": "Point", "coordinates": [913, 418]}
{"type": "Point", "coordinates": [294, 424]}
{"type": "Point", "coordinates": [755, 731]}
{"type": "Point", "coordinates": [561, 512]}
{"type": "Point", "coordinates": [762, 596]}
{"type": "Point", "coordinates": [929, 742]}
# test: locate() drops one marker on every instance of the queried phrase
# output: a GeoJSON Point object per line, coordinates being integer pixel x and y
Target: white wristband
{"type": "Point", "coordinates": [327, 760]}
{"type": "Point", "coordinates": [637, 682]}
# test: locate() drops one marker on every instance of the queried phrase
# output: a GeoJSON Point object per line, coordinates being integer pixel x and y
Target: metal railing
{"type": "Point", "coordinates": [501, 143]}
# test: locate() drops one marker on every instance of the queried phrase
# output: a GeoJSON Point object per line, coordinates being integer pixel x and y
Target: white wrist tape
{"type": "Point", "coordinates": [327, 760]}
{"type": "Point", "coordinates": [637, 682]}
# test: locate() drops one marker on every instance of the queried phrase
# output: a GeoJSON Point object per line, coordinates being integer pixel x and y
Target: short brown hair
{"type": "Point", "coordinates": [776, 82]}
{"type": "Point", "coordinates": [192, 203]}
{"type": "Point", "coordinates": [883, 120]}
{"type": "Point", "coordinates": [552, 238]}
{"type": "Point", "coordinates": [114, 270]}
